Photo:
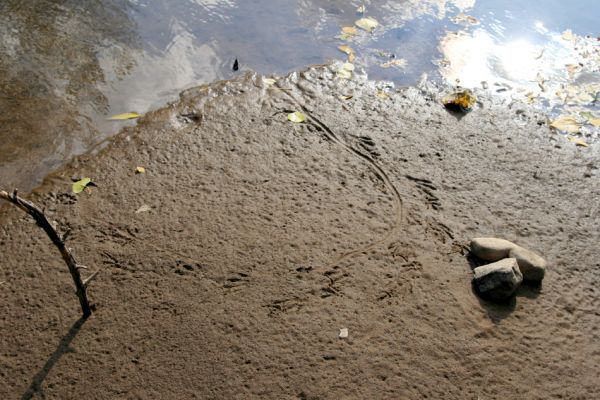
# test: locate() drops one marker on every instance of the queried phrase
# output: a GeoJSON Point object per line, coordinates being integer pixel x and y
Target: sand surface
{"type": "Point", "coordinates": [265, 238]}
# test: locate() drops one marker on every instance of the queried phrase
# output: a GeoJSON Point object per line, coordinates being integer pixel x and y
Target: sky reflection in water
{"type": "Point", "coordinates": [73, 65]}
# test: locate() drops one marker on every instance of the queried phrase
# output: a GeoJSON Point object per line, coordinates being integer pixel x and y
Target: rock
{"type": "Point", "coordinates": [499, 280]}
{"type": "Point", "coordinates": [532, 265]}
{"type": "Point", "coordinates": [491, 249]}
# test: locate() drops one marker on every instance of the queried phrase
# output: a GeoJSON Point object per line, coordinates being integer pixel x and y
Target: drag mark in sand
{"type": "Point", "coordinates": [377, 169]}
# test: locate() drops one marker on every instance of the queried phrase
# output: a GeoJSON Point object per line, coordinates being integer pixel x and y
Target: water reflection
{"type": "Point", "coordinates": [49, 71]}
{"type": "Point", "coordinates": [66, 66]}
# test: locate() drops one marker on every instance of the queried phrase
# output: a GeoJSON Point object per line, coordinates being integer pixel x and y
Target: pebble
{"type": "Point", "coordinates": [343, 333]}
{"type": "Point", "coordinates": [532, 265]}
{"type": "Point", "coordinates": [498, 280]}
{"type": "Point", "coordinates": [491, 249]}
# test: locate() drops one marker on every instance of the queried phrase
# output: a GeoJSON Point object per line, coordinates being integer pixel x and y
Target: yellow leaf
{"type": "Point", "coordinates": [585, 98]}
{"type": "Point", "coordinates": [594, 121]}
{"type": "Point", "coordinates": [568, 35]}
{"type": "Point", "coordinates": [465, 19]}
{"type": "Point", "coordinates": [345, 97]}
{"type": "Point", "coordinates": [344, 36]}
{"type": "Point", "coordinates": [368, 24]}
{"type": "Point", "coordinates": [80, 185]}
{"type": "Point", "coordinates": [297, 117]}
{"type": "Point", "coordinates": [400, 63]}
{"type": "Point", "coordinates": [578, 141]}
{"type": "Point", "coordinates": [463, 101]}
{"type": "Point", "coordinates": [381, 94]}
{"type": "Point", "coordinates": [269, 81]}
{"type": "Point", "coordinates": [346, 49]}
{"type": "Point", "coordinates": [344, 74]}
{"type": "Point", "coordinates": [566, 123]}
{"type": "Point", "coordinates": [349, 30]}
{"type": "Point", "coordinates": [345, 71]}
{"type": "Point", "coordinates": [120, 117]}
{"type": "Point", "coordinates": [140, 170]}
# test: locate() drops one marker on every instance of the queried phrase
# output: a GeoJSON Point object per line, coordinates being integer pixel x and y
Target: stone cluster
{"type": "Point", "coordinates": [509, 266]}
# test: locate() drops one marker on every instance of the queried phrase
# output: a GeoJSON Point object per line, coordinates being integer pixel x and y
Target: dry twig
{"type": "Point", "coordinates": [42, 221]}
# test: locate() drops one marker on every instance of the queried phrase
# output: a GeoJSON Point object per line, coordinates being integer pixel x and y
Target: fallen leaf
{"type": "Point", "coordinates": [297, 117]}
{"type": "Point", "coordinates": [345, 71]}
{"type": "Point", "coordinates": [140, 170]}
{"type": "Point", "coordinates": [530, 97]}
{"type": "Point", "coordinates": [590, 118]}
{"type": "Point", "coordinates": [123, 116]}
{"type": "Point", "coordinates": [350, 30]}
{"type": "Point", "coordinates": [269, 81]}
{"type": "Point", "coordinates": [143, 208]}
{"type": "Point", "coordinates": [368, 24]}
{"type": "Point", "coordinates": [344, 36]}
{"type": "Point", "coordinates": [566, 123]}
{"type": "Point", "coordinates": [382, 94]}
{"type": "Point", "coordinates": [345, 97]}
{"type": "Point", "coordinates": [585, 98]}
{"type": "Point", "coordinates": [344, 74]}
{"type": "Point", "coordinates": [568, 35]}
{"type": "Point", "coordinates": [578, 142]}
{"type": "Point", "coordinates": [346, 49]}
{"type": "Point", "coordinates": [399, 63]}
{"type": "Point", "coordinates": [80, 185]}
{"type": "Point", "coordinates": [361, 9]}
{"type": "Point", "coordinates": [465, 19]}
{"type": "Point", "coordinates": [460, 101]}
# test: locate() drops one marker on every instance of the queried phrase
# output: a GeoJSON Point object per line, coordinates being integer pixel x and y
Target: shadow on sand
{"type": "Point", "coordinates": [499, 310]}
{"type": "Point", "coordinates": [63, 347]}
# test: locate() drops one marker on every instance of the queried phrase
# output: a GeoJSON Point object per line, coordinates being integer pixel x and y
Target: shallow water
{"type": "Point", "coordinates": [66, 66]}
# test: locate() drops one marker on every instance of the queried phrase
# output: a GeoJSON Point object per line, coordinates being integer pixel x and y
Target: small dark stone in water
{"type": "Point", "coordinates": [236, 65]}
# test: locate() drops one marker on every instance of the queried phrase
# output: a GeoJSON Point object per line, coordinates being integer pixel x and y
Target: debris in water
{"type": "Point", "coordinates": [399, 63]}
{"type": "Point", "coordinates": [236, 65]}
{"type": "Point", "coordinates": [368, 24]}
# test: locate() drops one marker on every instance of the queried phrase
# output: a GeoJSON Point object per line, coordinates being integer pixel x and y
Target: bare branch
{"type": "Point", "coordinates": [43, 222]}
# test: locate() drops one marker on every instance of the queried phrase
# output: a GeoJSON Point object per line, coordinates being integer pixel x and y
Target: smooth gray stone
{"type": "Point", "coordinates": [491, 249]}
{"type": "Point", "coordinates": [499, 280]}
{"type": "Point", "coordinates": [532, 265]}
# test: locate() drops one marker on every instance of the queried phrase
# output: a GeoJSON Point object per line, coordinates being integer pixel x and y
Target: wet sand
{"type": "Point", "coordinates": [266, 237]}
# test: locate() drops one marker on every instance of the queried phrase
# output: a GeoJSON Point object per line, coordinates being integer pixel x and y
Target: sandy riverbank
{"type": "Point", "coordinates": [266, 237]}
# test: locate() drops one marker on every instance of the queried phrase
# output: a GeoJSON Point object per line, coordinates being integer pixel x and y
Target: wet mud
{"type": "Point", "coordinates": [265, 238]}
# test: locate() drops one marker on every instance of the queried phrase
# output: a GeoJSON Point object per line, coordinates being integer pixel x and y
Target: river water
{"type": "Point", "coordinates": [66, 66]}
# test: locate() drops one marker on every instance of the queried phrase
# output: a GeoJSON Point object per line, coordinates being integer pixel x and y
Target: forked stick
{"type": "Point", "coordinates": [43, 222]}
